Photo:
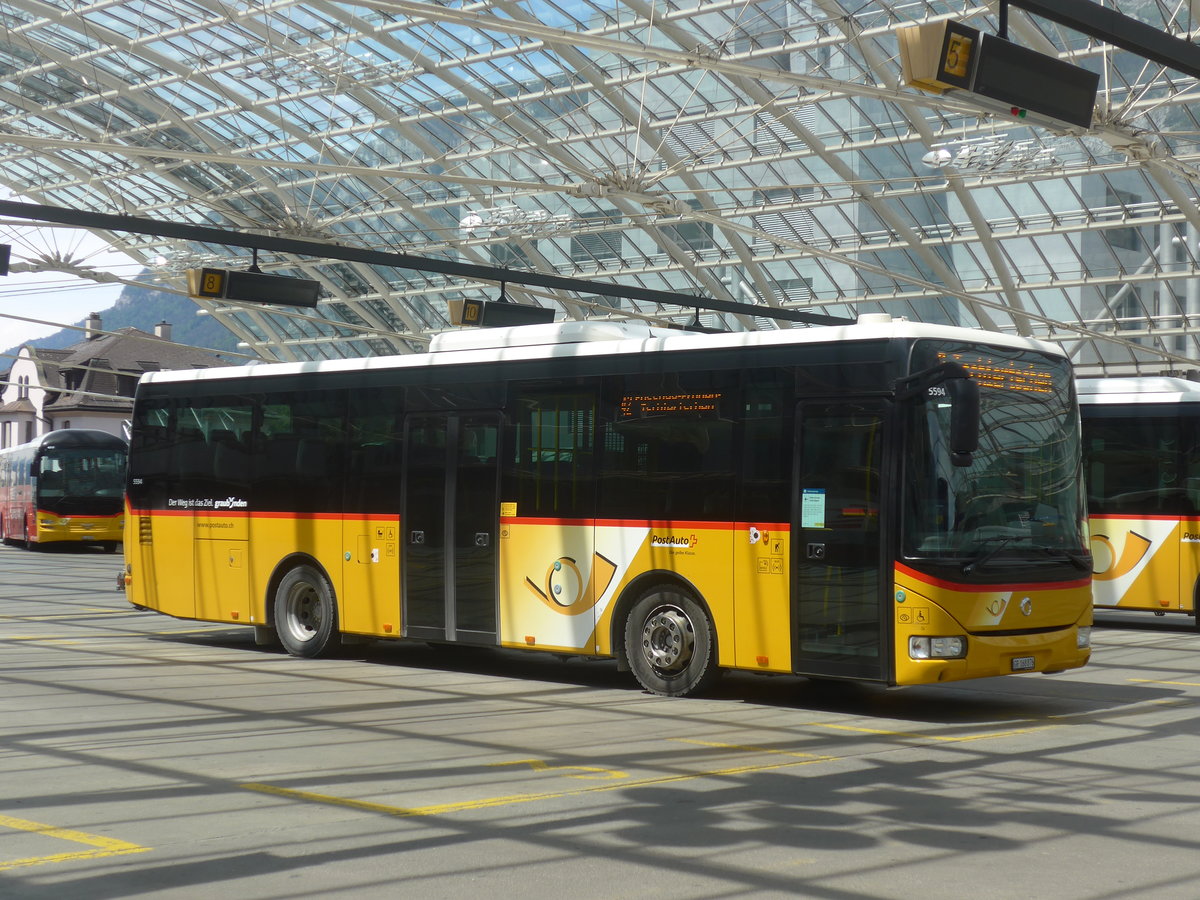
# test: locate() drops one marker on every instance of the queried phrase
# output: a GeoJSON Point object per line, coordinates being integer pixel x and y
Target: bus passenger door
{"type": "Point", "coordinates": [837, 617]}
{"type": "Point", "coordinates": [451, 527]}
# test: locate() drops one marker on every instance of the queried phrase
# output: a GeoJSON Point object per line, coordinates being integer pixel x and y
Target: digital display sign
{"type": "Point", "coordinates": [637, 405]}
{"type": "Point", "coordinates": [1025, 375]}
{"type": "Point", "coordinates": [252, 287]}
{"type": "Point", "coordinates": [1030, 80]}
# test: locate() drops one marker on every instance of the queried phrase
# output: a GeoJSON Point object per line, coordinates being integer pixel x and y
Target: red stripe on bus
{"type": "Point", "coordinates": [989, 588]}
{"type": "Point", "coordinates": [117, 515]}
{"type": "Point", "coordinates": [1148, 517]}
{"type": "Point", "coordinates": [246, 514]}
{"type": "Point", "coordinates": [643, 523]}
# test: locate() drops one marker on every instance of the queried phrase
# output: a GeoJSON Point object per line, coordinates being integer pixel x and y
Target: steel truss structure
{"type": "Point", "coordinates": [762, 153]}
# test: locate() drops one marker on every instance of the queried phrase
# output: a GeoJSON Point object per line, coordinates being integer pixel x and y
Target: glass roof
{"type": "Point", "coordinates": [765, 153]}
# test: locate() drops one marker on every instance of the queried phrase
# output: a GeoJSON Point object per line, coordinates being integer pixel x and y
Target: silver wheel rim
{"type": "Point", "coordinates": [668, 639]}
{"type": "Point", "coordinates": [303, 611]}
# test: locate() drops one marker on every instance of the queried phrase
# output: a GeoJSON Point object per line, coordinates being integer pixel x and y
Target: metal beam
{"type": "Point", "coordinates": [472, 272]}
{"type": "Point", "coordinates": [1119, 30]}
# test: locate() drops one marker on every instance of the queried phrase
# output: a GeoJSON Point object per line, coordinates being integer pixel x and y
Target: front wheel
{"type": "Point", "coordinates": [305, 613]}
{"type": "Point", "coordinates": [669, 643]}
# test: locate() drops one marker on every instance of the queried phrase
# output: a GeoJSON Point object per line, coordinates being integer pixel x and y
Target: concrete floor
{"type": "Point", "coordinates": [144, 757]}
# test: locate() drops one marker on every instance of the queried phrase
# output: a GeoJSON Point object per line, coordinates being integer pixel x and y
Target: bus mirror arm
{"type": "Point", "coordinates": [963, 393]}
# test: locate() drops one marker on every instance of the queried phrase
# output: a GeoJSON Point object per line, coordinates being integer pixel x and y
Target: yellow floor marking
{"type": "Point", "coordinates": [744, 748]}
{"type": "Point", "coordinates": [594, 773]}
{"type": "Point", "coordinates": [796, 759]}
{"type": "Point", "coordinates": [192, 631]}
{"type": "Point", "coordinates": [949, 739]}
{"type": "Point", "coordinates": [1176, 683]}
{"type": "Point", "coordinates": [489, 802]}
{"type": "Point", "coordinates": [103, 846]}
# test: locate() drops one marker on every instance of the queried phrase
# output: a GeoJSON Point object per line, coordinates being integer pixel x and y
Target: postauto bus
{"type": "Point", "coordinates": [66, 486]}
{"type": "Point", "coordinates": [885, 501]}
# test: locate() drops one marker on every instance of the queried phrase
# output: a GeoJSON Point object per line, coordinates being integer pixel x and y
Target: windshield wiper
{"type": "Point", "coordinates": [1082, 563]}
{"type": "Point", "coordinates": [983, 558]}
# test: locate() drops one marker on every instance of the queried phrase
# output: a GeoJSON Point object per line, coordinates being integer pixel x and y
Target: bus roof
{"type": "Point", "coordinates": [71, 438]}
{"type": "Point", "coordinates": [1137, 389]}
{"type": "Point", "coordinates": [573, 339]}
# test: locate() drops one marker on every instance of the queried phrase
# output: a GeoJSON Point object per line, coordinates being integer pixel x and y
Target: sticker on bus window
{"type": "Point", "coordinates": [812, 508]}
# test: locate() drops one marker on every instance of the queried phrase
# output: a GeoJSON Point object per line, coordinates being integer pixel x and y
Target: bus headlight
{"type": "Point", "coordinates": [1083, 637]}
{"type": "Point", "coordinates": [920, 647]}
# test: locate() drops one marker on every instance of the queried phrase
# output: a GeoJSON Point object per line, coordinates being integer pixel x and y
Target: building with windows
{"type": "Point", "coordinates": [89, 384]}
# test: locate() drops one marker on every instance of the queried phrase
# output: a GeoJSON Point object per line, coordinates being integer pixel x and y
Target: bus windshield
{"type": "Point", "coordinates": [80, 481]}
{"type": "Point", "coordinates": [1023, 488]}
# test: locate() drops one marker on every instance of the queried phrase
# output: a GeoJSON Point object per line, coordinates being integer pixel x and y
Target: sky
{"type": "Point", "coordinates": [50, 297]}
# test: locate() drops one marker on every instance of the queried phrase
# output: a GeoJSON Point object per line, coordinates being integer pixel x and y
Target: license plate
{"type": "Point", "coordinates": [1022, 663]}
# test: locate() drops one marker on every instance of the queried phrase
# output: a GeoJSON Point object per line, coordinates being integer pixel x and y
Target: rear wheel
{"type": "Point", "coordinates": [305, 613]}
{"type": "Point", "coordinates": [670, 644]}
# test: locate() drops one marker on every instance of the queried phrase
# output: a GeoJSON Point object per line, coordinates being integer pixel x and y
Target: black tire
{"type": "Point", "coordinates": [306, 614]}
{"type": "Point", "coordinates": [670, 643]}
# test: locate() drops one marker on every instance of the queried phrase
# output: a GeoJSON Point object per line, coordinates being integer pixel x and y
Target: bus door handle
{"type": "Point", "coordinates": [816, 551]}
{"type": "Point", "coordinates": [483, 539]}
{"type": "Point", "coordinates": [416, 537]}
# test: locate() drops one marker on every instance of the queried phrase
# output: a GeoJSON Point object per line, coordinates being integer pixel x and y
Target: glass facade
{"type": "Point", "coordinates": [767, 154]}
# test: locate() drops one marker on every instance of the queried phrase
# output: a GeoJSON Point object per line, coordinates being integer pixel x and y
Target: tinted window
{"type": "Point", "coordinates": [1140, 462]}
{"type": "Point", "coordinates": [375, 444]}
{"type": "Point", "coordinates": [299, 454]}
{"type": "Point", "coordinates": [551, 470]}
{"type": "Point", "coordinates": [667, 446]}
{"type": "Point", "coordinates": [765, 462]}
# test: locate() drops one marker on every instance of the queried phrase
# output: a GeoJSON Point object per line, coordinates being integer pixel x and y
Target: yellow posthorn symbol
{"type": "Point", "coordinates": [565, 591]}
{"type": "Point", "coordinates": [1135, 548]}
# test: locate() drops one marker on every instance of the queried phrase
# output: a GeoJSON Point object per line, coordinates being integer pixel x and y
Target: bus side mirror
{"type": "Point", "coordinates": [33, 470]}
{"type": "Point", "coordinates": [964, 417]}
{"type": "Point", "coordinates": [950, 380]}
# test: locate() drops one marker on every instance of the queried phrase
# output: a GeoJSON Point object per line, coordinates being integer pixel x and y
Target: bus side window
{"type": "Point", "coordinates": [300, 441]}
{"type": "Point", "coordinates": [668, 446]}
{"type": "Point", "coordinates": [375, 439]}
{"type": "Point", "coordinates": [1135, 465]}
{"type": "Point", "coordinates": [551, 470]}
{"type": "Point", "coordinates": [765, 461]}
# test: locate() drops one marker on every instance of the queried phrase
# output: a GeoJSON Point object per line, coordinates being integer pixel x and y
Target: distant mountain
{"type": "Point", "coordinates": [144, 308]}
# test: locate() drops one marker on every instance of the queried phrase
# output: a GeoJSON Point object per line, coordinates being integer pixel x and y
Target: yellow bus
{"type": "Point", "coordinates": [886, 501]}
{"type": "Point", "coordinates": [1142, 470]}
{"type": "Point", "coordinates": [64, 487]}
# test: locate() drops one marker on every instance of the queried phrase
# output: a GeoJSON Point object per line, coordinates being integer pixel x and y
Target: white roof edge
{"type": "Point", "coordinates": [549, 333]}
{"type": "Point", "coordinates": [538, 342]}
{"type": "Point", "coordinates": [1137, 388]}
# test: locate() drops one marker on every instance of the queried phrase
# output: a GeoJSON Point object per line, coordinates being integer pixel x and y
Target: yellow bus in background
{"type": "Point", "coordinates": [1141, 446]}
{"type": "Point", "coordinates": [888, 501]}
